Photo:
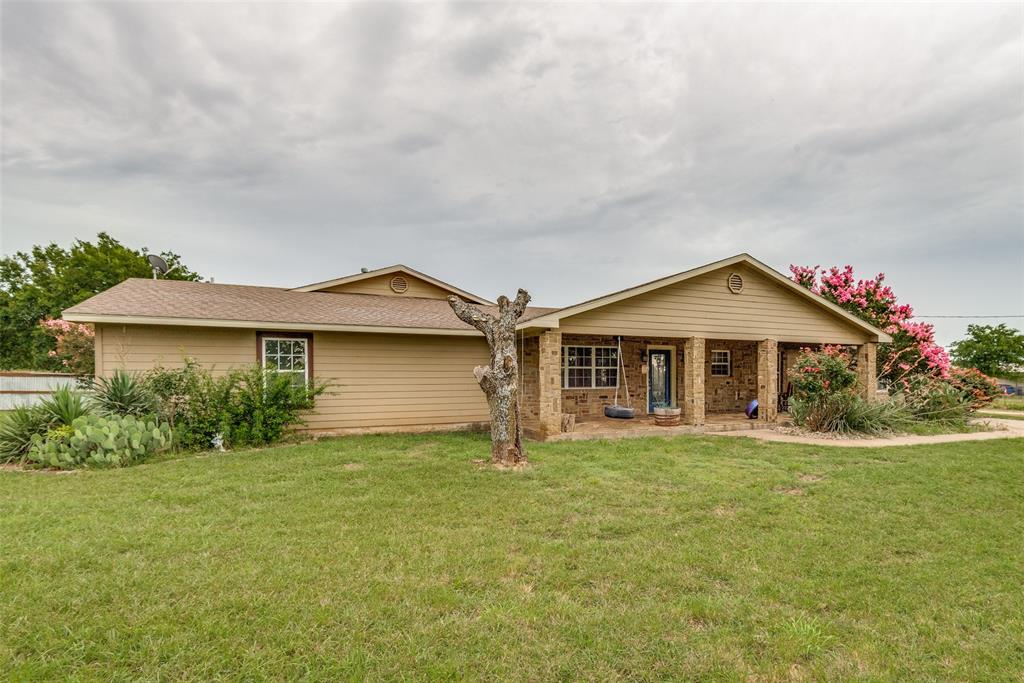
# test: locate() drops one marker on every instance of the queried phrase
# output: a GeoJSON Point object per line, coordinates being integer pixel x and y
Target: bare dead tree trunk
{"type": "Point", "coordinates": [500, 379]}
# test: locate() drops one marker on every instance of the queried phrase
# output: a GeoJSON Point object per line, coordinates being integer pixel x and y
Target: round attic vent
{"type": "Point", "coordinates": [735, 283]}
{"type": "Point", "coordinates": [399, 285]}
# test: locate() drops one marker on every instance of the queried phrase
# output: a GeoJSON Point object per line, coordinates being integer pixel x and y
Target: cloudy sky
{"type": "Point", "coordinates": [572, 149]}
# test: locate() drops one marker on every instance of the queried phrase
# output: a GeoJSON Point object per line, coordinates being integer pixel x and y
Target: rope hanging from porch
{"type": "Point", "coordinates": [625, 412]}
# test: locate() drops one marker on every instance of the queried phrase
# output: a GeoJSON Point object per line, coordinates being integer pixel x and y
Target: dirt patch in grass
{"type": "Point", "coordinates": [790, 490]}
{"type": "Point", "coordinates": [810, 478]}
{"type": "Point", "coordinates": [724, 511]}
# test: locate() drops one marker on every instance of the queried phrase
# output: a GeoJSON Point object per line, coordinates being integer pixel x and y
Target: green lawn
{"type": "Point", "coordinates": [397, 558]}
{"type": "Point", "coordinates": [1001, 416]}
{"type": "Point", "coordinates": [1009, 403]}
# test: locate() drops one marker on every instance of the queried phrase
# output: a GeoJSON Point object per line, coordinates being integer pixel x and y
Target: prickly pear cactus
{"type": "Point", "coordinates": [93, 440]}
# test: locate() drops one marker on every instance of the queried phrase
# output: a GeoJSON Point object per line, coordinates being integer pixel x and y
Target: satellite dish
{"type": "Point", "coordinates": [158, 265]}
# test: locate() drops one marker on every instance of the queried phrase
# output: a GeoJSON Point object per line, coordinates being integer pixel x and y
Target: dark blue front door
{"type": "Point", "coordinates": [659, 378]}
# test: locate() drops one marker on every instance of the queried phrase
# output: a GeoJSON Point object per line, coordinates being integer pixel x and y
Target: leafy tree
{"type": "Point", "coordinates": [996, 350]}
{"type": "Point", "coordinates": [41, 283]}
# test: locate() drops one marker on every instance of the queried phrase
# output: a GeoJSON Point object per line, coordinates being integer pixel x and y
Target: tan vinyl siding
{"type": "Point", "coordinates": [381, 380]}
{"type": "Point", "coordinates": [704, 307]}
{"type": "Point", "coordinates": [381, 285]}
{"type": "Point", "coordinates": [376, 380]}
{"type": "Point", "coordinates": [141, 347]}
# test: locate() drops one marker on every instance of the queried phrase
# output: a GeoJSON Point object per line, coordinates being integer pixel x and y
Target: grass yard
{"type": "Point", "coordinates": [394, 557]}
{"type": "Point", "coordinates": [1009, 403]}
{"type": "Point", "coordinates": [1001, 416]}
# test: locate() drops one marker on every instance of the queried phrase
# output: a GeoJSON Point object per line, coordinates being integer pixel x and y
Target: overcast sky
{"type": "Point", "coordinates": [570, 149]}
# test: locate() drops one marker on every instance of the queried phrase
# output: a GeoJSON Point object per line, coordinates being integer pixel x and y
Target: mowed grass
{"type": "Point", "coordinates": [396, 557]}
{"type": "Point", "coordinates": [1009, 403]}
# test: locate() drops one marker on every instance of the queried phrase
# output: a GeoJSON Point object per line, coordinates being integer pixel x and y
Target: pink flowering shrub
{"type": "Point", "coordinates": [913, 350]}
{"type": "Point", "coordinates": [75, 345]}
{"type": "Point", "coordinates": [819, 373]}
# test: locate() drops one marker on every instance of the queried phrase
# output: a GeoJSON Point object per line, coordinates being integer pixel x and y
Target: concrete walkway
{"type": "Point", "coordinates": [1003, 429]}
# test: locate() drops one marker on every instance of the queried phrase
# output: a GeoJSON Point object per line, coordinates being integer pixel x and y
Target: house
{"type": "Point", "coordinates": [397, 358]}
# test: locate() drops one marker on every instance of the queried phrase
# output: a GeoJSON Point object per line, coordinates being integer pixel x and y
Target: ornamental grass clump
{"type": "Point", "coordinates": [17, 428]}
{"type": "Point", "coordinates": [64, 406]}
{"type": "Point", "coordinates": [123, 393]}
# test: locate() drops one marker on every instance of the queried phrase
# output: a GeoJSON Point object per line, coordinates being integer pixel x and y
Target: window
{"type": "Point", "coordinates": [721, 364]}
{"type": "Point", "coordinates": [288, 356]}
{"type": "Point", "coordinates": [590, 367]}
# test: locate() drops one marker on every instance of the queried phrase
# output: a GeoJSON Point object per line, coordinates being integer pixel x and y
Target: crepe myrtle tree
{"type": "Point", "coordinates": [499, 380]}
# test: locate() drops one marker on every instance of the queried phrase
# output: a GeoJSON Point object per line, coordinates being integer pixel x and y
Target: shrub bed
{"type": "Point", "coordinates": [825, 397]}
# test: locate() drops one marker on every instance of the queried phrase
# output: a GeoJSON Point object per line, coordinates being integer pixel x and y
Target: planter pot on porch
{"type": "Point", "coordinates": [667, 417]}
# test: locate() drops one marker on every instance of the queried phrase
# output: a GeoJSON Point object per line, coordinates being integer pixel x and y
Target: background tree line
{"type": "Point", "coordinates": [39, 284]}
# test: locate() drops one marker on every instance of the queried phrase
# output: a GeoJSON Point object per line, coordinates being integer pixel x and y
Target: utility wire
{"type": "Point", "coordinates": [968, 316]}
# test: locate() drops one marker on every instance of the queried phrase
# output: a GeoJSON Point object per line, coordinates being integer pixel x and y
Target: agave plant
{"type": "Point", "coordinates": [122, 394]}
{"type": "Point", "coordinates": [64, 406]}
{"type": "Point", "coordinates": [16, 430]}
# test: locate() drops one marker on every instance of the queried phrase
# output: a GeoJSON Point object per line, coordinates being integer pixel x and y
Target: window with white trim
{"type": "Point", "coordinates": [288, 356]}
{"type": "Point", "coordinates": [590, 367]}
{"type": "Point", "coordinates": [721, 364]}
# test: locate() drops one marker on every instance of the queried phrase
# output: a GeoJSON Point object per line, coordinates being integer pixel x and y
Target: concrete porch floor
{"type": "Point", "coordinates": [643, 425]}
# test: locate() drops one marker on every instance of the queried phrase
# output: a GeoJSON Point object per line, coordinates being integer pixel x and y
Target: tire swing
{"type": "Point", "coordinates": [625, 412]}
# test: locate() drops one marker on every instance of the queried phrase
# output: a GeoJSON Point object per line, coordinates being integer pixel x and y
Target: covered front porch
{"type": "Point", "coordinates": [711, 381]}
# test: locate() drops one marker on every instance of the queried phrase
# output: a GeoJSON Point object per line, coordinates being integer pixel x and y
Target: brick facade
{"type": "Point", "coordinates": [549, 383]}
{"type": "Point", "coordinates": [767, 380]}
{"type": "Point", "coordinates": [867, 370]}
{"type": "Point", "coordinates": [731, 394]}
{"type": "Point", "coordinates": [693, 401]}
{"type": "Point", "coordinates": [529, 385]}
{"type": "Point", "coordinates": [591, 402]}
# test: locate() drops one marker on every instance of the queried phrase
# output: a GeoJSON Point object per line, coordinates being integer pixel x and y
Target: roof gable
{"type": "Point", "coordinates": [740, 261]}
{"type": "Point", "coordinates": [379, 282]}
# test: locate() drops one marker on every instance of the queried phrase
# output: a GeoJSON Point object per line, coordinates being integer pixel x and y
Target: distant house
{"type": "Point", "coordinates": [707, 340]}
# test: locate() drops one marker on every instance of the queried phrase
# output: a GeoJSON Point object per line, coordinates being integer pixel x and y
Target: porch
{"type": "Point", "coordinates": [711, 381]}
{"type": "Point", "coordinates": [643, 426]}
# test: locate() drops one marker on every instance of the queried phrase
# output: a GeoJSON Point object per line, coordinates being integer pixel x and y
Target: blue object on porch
{"type": "Point", "coordinates": [752, 409]}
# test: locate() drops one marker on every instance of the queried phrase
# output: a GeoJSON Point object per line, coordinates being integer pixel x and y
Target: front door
{"type": "Point", "coordinates": [659, 378]}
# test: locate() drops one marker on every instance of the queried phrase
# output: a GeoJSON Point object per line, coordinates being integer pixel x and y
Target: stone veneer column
{"type": "Point", "coordinates": [549, 383]}
{"type": "Point", "coordinates": [767, 380]}
{"type": "Point", "coordinates": [693, 381]}
{"type": "Point", "coordinates": [867, 370]}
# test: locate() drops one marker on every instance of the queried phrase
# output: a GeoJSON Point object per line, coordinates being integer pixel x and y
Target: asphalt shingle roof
{"type": "Point", "coordinates": [243, 303]}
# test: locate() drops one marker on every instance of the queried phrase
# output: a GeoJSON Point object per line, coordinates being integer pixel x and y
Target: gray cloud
{"type": "Point", "coordinates": [573, 149]}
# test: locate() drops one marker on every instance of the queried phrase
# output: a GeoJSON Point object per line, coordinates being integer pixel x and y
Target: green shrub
{"type": "Point", "coordinates": [978, 388]}
{"type": "Point", "coordinates": [193, 402]}
{"type": "Point", "coordinates": [822, 373]}
{"type": "Point", "coordinates": [17, 428]}
{"type": "Point", "coordinates": [263, 404]}
{"type": "Point", "coordinates": [113, 441]}
{"type": "Point", "coordinates": [937, 400]}
{"type": "Point", "coordinates": [244, 407]}
{"type": "Point", "coordinates": [122, 394]}
{"type": "Point", "coordinates": [64, 406]}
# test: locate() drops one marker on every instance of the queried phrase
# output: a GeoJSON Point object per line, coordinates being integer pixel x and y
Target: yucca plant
{"type": "Point", "coordinates": [122, 394]}
{"type": "Point", "coordinates": [17, 428]}
{"type": "Point", "coordinates": [64, 406]}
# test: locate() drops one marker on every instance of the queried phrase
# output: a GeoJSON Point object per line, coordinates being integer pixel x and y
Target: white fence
{"type": "Point", "coordinates": [28, 388]}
